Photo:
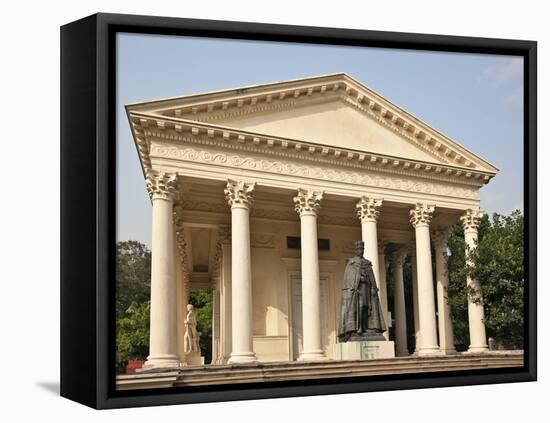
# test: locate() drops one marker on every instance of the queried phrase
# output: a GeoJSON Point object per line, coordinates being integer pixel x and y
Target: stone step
{"type": "Point", "coordinates": [364, 368]}
{"type": "Point", "coordinates": [297, 366]}
{"type": "Point", "coordinates": [297, 370]}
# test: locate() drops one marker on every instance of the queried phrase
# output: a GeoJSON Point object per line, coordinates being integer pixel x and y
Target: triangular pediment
{"type": "Point", "coordinates": [332, 110]}
{"type": "Point", "coordinates": [332, 123]}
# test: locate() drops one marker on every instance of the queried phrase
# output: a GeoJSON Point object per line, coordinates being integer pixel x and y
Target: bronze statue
{"type": "Point", "coordinates": [360, 314]}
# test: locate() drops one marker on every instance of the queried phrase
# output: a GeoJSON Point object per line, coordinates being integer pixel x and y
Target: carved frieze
{"type": "Point", "coordinates": [395, 180]}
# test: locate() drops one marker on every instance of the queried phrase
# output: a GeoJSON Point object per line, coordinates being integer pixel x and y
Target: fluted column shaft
{"type": "Point", "coordinates": [476, 314]}
{"type": "Point", "coordinates": [239, 197]}
{"type": "Point", "coordinates": [162, 339]}
{"type": "Point", "coordinates": [399, 305]}
{"type": "Point", "coordinates": [445, 323]}
{"type": "Point", "coordinates": [420, 219]}
{"type": "Point", "coordinates": [368, 211]}
{"type": "Point", "coordinates": [307, 204]}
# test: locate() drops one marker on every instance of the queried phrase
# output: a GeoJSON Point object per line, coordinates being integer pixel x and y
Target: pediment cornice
{"type": "Point", "coordinates": [215, 106]}
{"type": "Point", "coordinates": [146, 127]}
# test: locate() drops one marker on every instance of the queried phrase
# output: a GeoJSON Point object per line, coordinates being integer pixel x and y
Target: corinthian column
{"type": "Point", "coordinates": [415, 299]}
{"type": "Point", "coordinates": [239, 197]}
{"type": "Point", "coordinates": [162, 188]}
{"type": "Point", "coordinates": [420, 217]}
{"type": "Point", "coordinates": [382, 283]}
{"type": "Point", "coordinates": [307, 204]}
{"type": "Point", "coordinates": [399, 304]}
{"type": "Point", "coordinates": [446, 337]}
{"type": "Point", "coordinates": [476, 315]}
{"type": "Point", "coordinates": [224, 232]}
{"type": "Point", "coordinates": [368, 210]}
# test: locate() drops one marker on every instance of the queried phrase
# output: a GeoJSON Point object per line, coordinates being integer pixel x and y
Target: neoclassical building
{"type": "Point", "coordinates": [258, 193]}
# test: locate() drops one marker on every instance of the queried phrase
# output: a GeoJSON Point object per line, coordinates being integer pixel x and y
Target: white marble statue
{"type": "Point", "coordinates": [191, 337]}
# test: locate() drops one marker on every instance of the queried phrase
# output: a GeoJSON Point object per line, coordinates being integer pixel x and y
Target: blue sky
{"type": "Point", "coordinates": [476, 100]}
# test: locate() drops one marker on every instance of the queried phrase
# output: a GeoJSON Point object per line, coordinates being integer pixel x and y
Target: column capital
{"type": "Point", "coordinates": [421, 215]}
{"type": "Point", "coordinates": [307, 202]}
{"type": "Point", "coordinates": [470, 219]}
{"type": "Point", "coordinates": [439, 238]}
{"type": "Point", "coordinates": [161, 185]}
{"type": "Point", "coordinates": [239, 193]}
{"type": "Point", "coordinates": [399, 256]}
{"type": "Point", "coordinates": [224, 234]}
{"type": "Point", "coordinates": [368, 209]}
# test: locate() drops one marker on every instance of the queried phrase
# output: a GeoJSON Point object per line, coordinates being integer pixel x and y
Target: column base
{"type": "Point", "coordinates": [159, 362]}
{"type": "Point", "coordinates": [479, 349]}
{"type": "Point", "coordinates": [312, 356]}
{"type": "Point", "coordinates": [429, 351]}
{"type": "Point", "coordinates": [246, 357]}
{"type": "Point", "coordinates": [402, 353]}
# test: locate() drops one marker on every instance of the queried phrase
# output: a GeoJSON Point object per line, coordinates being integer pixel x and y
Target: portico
{"type": "Point", "coordinates": [258, 194]}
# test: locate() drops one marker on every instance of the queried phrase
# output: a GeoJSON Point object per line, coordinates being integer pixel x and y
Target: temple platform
{"type": "Point", "coordinates": [297, 370]}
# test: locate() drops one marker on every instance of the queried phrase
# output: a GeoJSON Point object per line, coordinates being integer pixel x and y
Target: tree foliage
{"type": "Point", "coordinates": [498, 263]}
{"type": "Point", "coordinates": [133, 290]}
{"type": "Point", "coordinates": [133, 275]}
{"type": "Point", "coordinates": [133, 334]}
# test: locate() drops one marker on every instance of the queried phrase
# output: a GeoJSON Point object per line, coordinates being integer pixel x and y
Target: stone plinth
{"type": "Point", "coordinates": [363, 350]}
{"type": "Point", "coordinates": [194, 359]}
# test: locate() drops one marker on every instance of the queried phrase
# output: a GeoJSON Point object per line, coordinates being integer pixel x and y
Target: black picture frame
{"type": "Point", "coordinates": [88, 208]}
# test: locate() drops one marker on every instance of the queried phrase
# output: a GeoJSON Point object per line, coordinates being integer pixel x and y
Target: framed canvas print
{"type": "Point", "coordinates": [259, 211]}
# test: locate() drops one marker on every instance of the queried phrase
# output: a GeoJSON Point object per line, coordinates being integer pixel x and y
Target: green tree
{"type": "Point", "coordinates": [132, 341]}
{"type": "Point", "coordinates": [133, 288]}
{"type": "Point", "coordinates": [133, 275]}
{"type": "Point", "coordinates": [498, 263]}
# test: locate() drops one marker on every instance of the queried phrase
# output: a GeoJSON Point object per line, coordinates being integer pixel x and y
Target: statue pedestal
{"type": "Point", "coordinates": [363, 350]}
{"type": "Point", "coordinates": [194, 359]}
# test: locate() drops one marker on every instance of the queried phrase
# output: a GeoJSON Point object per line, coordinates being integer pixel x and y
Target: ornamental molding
{"type": "Point", "coordinates": [162, 185]}
{"type": "Point", "coordinates": [181, 242]}
{"type": "Point", "coordinates": [262, 240]}
{"type": "Point", "coordinates": [224, 238]}
{"type": "Point", "coordinates": [229, 139]}
{"type": "Point", "coordinates": [396, 181]}
{"type": "Point", "coordinates": [421, 215]}
{"type": "Point", "coordinates": [290, 94]}
{"type": "Point", "coordinates": [368, 209]}
{"type": "Point", "coordinates": [470, 219]}
{"type": "Point", "coordinates": [308, 202]}
{"type": "Point", "coordinates": [239, 193]}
